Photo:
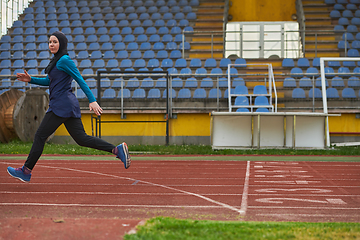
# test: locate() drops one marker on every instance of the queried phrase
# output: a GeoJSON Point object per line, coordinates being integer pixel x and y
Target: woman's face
{"type": "Point", "coordinates": [54, 44]}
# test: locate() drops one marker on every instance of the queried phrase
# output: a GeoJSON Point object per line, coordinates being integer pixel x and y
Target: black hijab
{"type": "Point", "coordinates": [61, 52]}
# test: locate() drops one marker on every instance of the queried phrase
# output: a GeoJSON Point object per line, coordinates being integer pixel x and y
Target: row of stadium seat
{"type": "Point", "coordinates": [346, 93]}
{"type": "Point", "coordinates": [306, 82]}
{"type": "Point", "coordinates": [116, 3]}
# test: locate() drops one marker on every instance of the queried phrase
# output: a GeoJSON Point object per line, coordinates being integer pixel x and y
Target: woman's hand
{"type": "Point", "coordinates": [94, 106]}
{"type": "Point", "coordinates": [24, 77]}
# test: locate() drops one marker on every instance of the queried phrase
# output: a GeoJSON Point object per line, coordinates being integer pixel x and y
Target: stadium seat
{"type": "Point", "coordinates": [296, 72]}
{"type": "Point", "coordinates": [354, 82]}
{"type": "Point", "coordinates": [199, 93]}
{"type": "Point", "coordinates": [191, 82]}
{"type": "Point", "coordinates": [206, 83]}
{"type": "Point", "coordinates": [133, 83]}
{"type": "Point", "coordinates": [184, 93]}
{"type": "Point", "coordinates": [289, 82]}
{"type": "Point", "coordinates": [210, 63]}
{"type": "Point", "coordinates": [109, 93]}
{"type": "Point", "coordinates": [241, 90]}
{"type": "Point", "coordinates": [224, 62]}
{"type": "Point", "coordinates": [195, 63]}
{"type": "Point", "coordinates": [348, 93]}
{"type": "Point", "coordinates": [303, 63]}
{"type": "Point", "coordinates": [139, 93]}
{"type": "Point", "coordinates": [214, 93]}
{"type": "Point", "coordinates": [337, 82]}
{"type": "Point", "coordinates": [305, 82]}
{"type": "Point", "coordinates": [298, 93]}
{"type": "Point", "coordinates": [124, 93]}
{"type": "Point", "coordinates": [332, 93]}
{"type": "Point", "coordinates": [260, 89]}
{"type": "Point", "coordinates": [241, 101]}
{"type": "Point", "coordinates": [154, 93]}
{"type": "Point", "coordinates": [177, 82]}
{"type": "Point", "coordinates": [180, 63]}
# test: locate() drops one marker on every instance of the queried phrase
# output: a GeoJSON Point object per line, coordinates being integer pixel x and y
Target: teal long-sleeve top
{"type": "Point", "coordinates": [63, 101]}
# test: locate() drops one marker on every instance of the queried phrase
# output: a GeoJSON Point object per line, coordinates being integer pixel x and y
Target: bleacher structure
{"type": "Point", "coordinates": [147, 35]}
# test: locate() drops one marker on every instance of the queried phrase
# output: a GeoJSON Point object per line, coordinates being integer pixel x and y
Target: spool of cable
{"type": "Point", "coordinates": [21, 113]}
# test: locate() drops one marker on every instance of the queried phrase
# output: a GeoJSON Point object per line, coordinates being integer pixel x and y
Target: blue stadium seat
{"type": "Point", "coordinates": [354, 82]}
{"type": "Point", "coordinates": [353, 53]}
{"type": "Point", "coordinates": [298, 93]}
{"type": "Point", "coordinates": [161, 83]}
{"type": "Point", "coordinates": [316, 92]}
{"type": "Point", "coordinates": [175, 54]}
{"type": "Point", "coordinates": [112, 63]}
{"type": "Point", "coordinates": [133, 83]}
{"type": "Point", "coordinates": [337, 82]}
{"type": "Point", "coordinates": [185, 71]}
{"type": "Point", "coordinates": [177, 82]}
{"type": "Point", "coordinates": [335, 14]}
{"type": "Point", "coordinates": [195, 63]}
{"type": "Point", "coordinates": [191, 82]}
{"type": "Point", "coordinates": [180, 63]}
{"type": "Point", "coordinates": [149, 54]}
{"type": "Point", "coordinates": [167, 63]}
{"type": "Point", "coordinates": [241, 90]}
{"type": "Point", "coordinates": [172, 94]}
{"type": "Point", "coordinates": [139, 93]}
{"type": "Point", "coordinates": [154, 93]}
{"type": "Point", "coordinates": [303, 63]}
{"type": "Point", "coordinates": [206, 83]}
{"type": "Point", "coordinates": [262, 110]}
{"type": "Point", "coordinates": [332, 93]}
{"type": "Point", "coordinates": [210, 63]}
{"type": "Point", "coordinates": [288, 62]}
{"type": "Point", "coordinates": [158, 46]}
{"type": "Point", "coordinates": [289, 82]}
{"type": "Point", "coordinates": [126, 63]}
{"type": "Point", "coordinates": [241, 101]}
{"type": "Point", "coordinates": [162, 54]}
{"type": "Point", "coordinates": [296, 72]}
{"type": "Point", "coordinates": [224, 62]}
{"type": "Point", "coordinates": [199, 93]}
{"type": "Point", "coordinates": [260, 89]}
{"type": "Point", "coordinates": [125, 93]}
{"type": "Point", "coordinates": [172, 71]}
{"type": "Point", "coordinates": [348, 93]}
{"type": "Point", "coordinates": [238, 81]}
{"type": "Point", "coordinates": [214, 93]}
{"type": "Point", "coordinates": [147, 82]}
{"type": "Point", "coordinates": [139, 63]}
{"type": "Point", "coordinates": [184, 93]}
{"type": "Point", "coordinates": [99, 63]}
{"type": "Point", "coordinates": [312, 72]}
{"type": "Point", "coordinates": [305, 82]}
{"type": "Point", "coordinates": [200, 71]}
{"type": "Point", "coordinates": [135, 54]}
{"type": "Point", "coordinates": [153, 63]}
{"type": "Point", "coordinates": [109, 93]}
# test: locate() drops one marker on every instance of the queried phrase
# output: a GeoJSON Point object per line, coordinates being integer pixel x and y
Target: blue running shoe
{"type": "Point", "coordinates": [123, 154]}
{"type": "Point", "coordinates": [19, 174]}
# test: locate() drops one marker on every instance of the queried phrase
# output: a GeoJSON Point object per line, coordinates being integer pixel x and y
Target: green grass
{"type": "Point", "coordinates": [17, 147]}
{"type": "Point", "coordinates": [170, 228]}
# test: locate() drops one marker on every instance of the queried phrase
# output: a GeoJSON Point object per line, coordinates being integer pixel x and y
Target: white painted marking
{"type": "Point", "coordinates": [312, 190]}
{"type": "Point", "coordinates": [258, 166]}
{"type": "Point", "coordinates": [276, 182]}
{"type": "Point", "coordinates": [302, 207]}
{"type": "Point", "coordinates": [103, 205]}
{"type": "Point", "coordinates": [153, 184]}
{"type": "Point", "coordinates": [287, 176]}
{"type": "Point", "coordinates": [260, 176]}
{"type": "Point", "coordinates": [244, 204]}
{"type": "Point", "coordinates": [335, 201]}
{"type": "Point", "coordinates": [281, 200]}
{"type": "Point", "coordinates": [306, 182]}
{"type": "Point", "coordinates": [281, 171]}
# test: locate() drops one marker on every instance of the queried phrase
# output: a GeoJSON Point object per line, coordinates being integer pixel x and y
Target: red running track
{"type": "Point", "coordinates": [216, 190]}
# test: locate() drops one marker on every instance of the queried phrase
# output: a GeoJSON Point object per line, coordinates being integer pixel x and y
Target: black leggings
{"type": "Point", "coordinates": [76, 130]}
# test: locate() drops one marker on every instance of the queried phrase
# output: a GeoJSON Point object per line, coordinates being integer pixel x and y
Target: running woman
{"type": "Point", "coordinates": [63, 108]}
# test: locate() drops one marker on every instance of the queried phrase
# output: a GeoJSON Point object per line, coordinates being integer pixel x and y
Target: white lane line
{"type": "Point", "coordinates": [244, 198]}
{"type": "Point", "coordinates": [104, 205]}
{"type": "Point", "coordinates": [153, 184]}
{"type": "Point", "coordinates": [302, 207]}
